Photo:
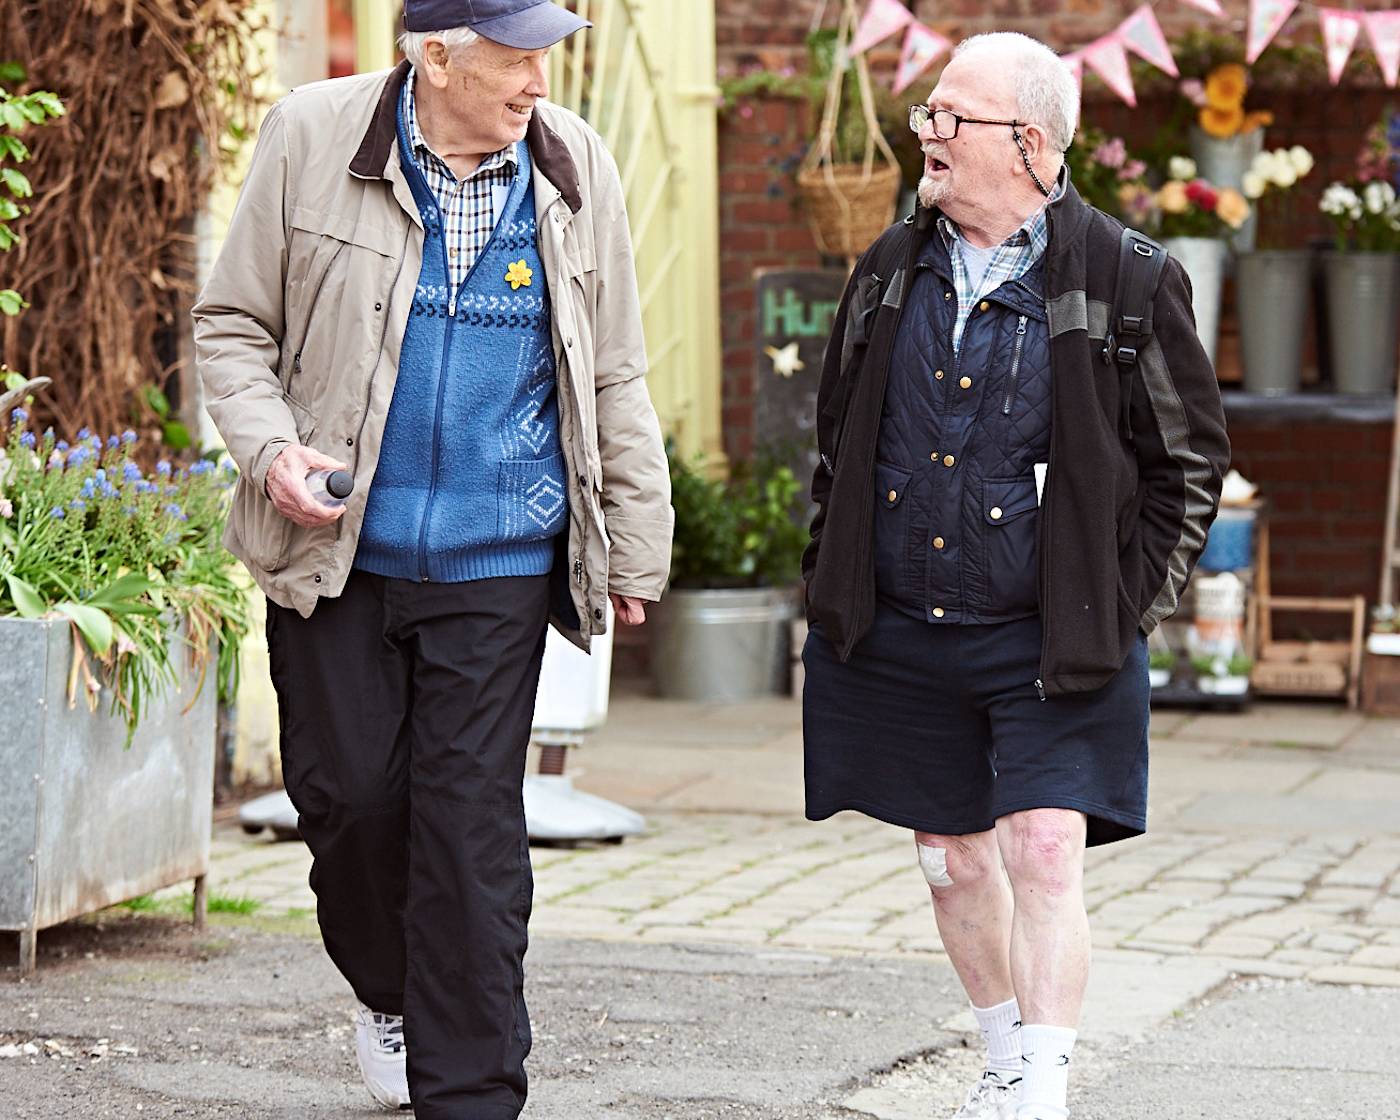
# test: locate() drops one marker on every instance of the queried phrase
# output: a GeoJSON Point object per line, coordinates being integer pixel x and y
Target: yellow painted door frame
{"type": "Point", "coordinates": [375, 34]}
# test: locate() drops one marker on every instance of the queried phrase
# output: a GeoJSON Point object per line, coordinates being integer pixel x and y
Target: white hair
{"type": "Point", "coordinates": [1046, 94]}
{"type": "Point", "coordinates": [415, 43]}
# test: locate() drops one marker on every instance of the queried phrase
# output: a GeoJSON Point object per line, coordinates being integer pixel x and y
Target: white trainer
{"type": "Point", "coordinates": [383, 1059]}
{"type": "Point", "coordinates": [992, 1098]}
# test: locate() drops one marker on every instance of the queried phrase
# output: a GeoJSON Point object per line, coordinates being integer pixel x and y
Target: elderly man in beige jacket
{"type": "Point", "coordinates": [428, 285]}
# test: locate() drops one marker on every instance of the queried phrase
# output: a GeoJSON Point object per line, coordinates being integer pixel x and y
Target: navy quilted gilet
{"type": "Point", "coordinates": [956, 511]}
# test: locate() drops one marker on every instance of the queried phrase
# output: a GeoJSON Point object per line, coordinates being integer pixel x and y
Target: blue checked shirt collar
{"type": "Point", "coordinates": [1009, 261]}
{"type": "Point", "coordinates": [469, 207]}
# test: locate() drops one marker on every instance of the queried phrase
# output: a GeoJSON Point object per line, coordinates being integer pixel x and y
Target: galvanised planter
{"type": "Point", "coordinates": [1363, 304]}
{"type": "Point", "coordinates": [722, 645]}
{"type": "Point", "coordinates": [1272, 292]}
{"type": "Point", "coordinates": [85, 822]}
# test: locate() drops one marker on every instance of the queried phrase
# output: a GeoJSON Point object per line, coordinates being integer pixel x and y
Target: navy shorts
{"type": "Point", "coordinates": [941, 729]}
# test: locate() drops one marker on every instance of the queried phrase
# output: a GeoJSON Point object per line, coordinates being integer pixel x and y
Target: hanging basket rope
{"type": "Point", "coordinates": [848, 204]}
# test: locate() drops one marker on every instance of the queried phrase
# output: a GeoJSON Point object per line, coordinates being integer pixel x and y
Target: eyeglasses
{"type": "Point", "coordinates": [946, 122]}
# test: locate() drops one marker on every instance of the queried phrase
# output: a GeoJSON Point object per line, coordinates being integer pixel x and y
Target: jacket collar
{"type": "Point", "coordinates": [550, 154]}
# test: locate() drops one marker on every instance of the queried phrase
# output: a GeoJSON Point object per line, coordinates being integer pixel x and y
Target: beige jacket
{"type": "Point", "coordinates": [298, 331]}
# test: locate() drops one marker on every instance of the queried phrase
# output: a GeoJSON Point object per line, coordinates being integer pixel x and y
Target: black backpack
{"type": "Point", "coordinates": [1140, 264]}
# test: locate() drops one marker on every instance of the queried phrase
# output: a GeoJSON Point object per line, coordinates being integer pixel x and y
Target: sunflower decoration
{"type": "Point", "coordinates": [1221, 102]}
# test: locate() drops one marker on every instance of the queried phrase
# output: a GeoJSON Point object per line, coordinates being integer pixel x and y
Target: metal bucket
{"type": "Point", "coordinates": [1363, 299]}
{"type": "Point", "coordinates": [1272, 291]}
{"type": "Point", "coordinates": [722, 645]}
{"type": "Point", "coordinates": [1204, 261]}
{"type": "Point", "coordinates": [1222, 163]}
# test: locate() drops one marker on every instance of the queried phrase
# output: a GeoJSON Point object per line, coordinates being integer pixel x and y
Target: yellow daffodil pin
{"type": "Point", "coordinates": [518, 275]}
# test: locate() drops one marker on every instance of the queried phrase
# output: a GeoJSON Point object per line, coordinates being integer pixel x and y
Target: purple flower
{"type": "Point", "coordinates": [27, 438]}
{"type": "Point", "coordinates": [57, 513]}
{"type": "Point", "coordinates": [83, 434]}
{"type": "Point", "coordinates": [163, 468]}
{"type": "Point", "coordinates": [1111, 153]}
{"type": "Point", "coordinates": [99, 475]}
{"type": "Point", "coordinates": [108, 490]}
{"type": "Point", "coordinates": [128, 437]}
{"type": "Point", "coordinates": [204, 466]}
{"type": "Point", "coordinates": [89, 488]}
{"type": "Point", "coordinates": [18, 416]}
{"type": "Point", "coordinates": [77, 503]}
{"type": "Point", "coordinates": [131, 472]}
{"type": "Point", "coordinates": [176, 512]}
{"type": "Point", "coordinates": [61, 445]}
{"type": "Point", "coordinates": [55, 462]}
{"type": "Point", "coordinates": [95, 443]}
{"type": "Point", "coordinates": [79, 455]}
{"type": "Point", "coordinates": [113, 443]}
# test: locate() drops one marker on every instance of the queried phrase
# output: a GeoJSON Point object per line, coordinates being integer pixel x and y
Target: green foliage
{"type": "Point", "coordinates": [1161, 659]}
{"type": "Point", "coordinates": [17, 113]}
{"type": "Point", "coordinates": [744, 531]}
{"type": "Point", "coordinates": [174, 434]}
{"type": "Point", "coordinates": [1237, 666]}
{"type": "Point", "coordinates": [129, 558]}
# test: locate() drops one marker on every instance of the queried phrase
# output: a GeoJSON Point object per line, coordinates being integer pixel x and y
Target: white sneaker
{"type": "Point", "coordinates": [383, 1058]}
{"type": "Point", "coordinates": [991, 1099]}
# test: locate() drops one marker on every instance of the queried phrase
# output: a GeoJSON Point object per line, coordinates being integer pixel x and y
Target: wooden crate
{"type": "Point", "coordinates": [1380, 684]}
{"type": "Point", "coordinates": [1299, 678]}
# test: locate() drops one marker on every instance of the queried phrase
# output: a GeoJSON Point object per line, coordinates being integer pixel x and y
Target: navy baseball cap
{"type": "Point", "coordinates": [527, 25]}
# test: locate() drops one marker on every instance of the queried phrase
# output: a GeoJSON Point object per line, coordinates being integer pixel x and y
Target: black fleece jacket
{"type": "Point", "coordinates": [1124, 518]}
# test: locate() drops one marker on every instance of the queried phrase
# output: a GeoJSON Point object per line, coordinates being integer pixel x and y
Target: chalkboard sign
{"type": "Point", "coordinates": [796, 309]}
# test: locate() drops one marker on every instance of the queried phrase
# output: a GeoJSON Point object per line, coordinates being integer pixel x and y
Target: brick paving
{"type": "Point", "coordinates": [1275, 848]}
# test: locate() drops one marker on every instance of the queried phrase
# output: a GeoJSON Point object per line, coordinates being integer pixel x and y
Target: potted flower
{"type": "Point", "coordinates": [1274, 282]}
{"type": "Point", "coordinates": [722, 630]}
{"type": "Point", "coordinates": [1363, 273]}
{"type": "Point", "coordinates": [1193, 219]}
{"type": "Point", "coordinates": [1107, 177]}
{"type": "Point", "coordinates": [1222, 676]}
{"type": "Point", "coordinates": [114, 590]}
{"type": "Point", "coordinates": [1225, 137]}
{"type": "Point", "coordinates": [1160, 663]}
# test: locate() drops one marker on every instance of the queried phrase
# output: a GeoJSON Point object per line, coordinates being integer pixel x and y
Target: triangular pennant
{"type": "Point", "coordinates": [1211, 7]}
{"type": "Point", "coordinates": [1339, 32]}
{"type": "Point", "coordinates": [882, 19]}
{"type": "Point", "coordinates": [1142, 34]}
{"type": "Point", "coordinates": [1105, 57]}
{"type": "Point", "coordinates": [921, 46]}
{"type": "Point", "coordinates": [1266, 19]}
{"type": "Point", "coordinates": [1384, 31]}
{"type": "Point", "coordinates": [1075, 62]}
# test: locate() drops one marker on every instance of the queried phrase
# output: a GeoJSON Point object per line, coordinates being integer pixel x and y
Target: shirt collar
{"type": "Point", "coordinates": [1034, 231]}
{"type": "Point", "coordinates": [419, 144]}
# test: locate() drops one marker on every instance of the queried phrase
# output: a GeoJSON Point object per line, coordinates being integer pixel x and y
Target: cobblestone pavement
{"type": "Point", "coordinates": [1274, 849]}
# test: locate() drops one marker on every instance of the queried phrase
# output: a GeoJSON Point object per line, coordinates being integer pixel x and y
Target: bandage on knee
{"type": "Point", "coordinates": [933, 862]}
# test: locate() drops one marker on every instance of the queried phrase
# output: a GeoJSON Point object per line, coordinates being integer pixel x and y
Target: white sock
{"type": "Point", "coordinates": [1045, 1072]}
{"type": "Point", "coordinates": [1001, 1027]}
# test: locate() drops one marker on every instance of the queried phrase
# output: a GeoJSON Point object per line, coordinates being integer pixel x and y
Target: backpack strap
{"type": "Point", "coordinates": [1140, 264]}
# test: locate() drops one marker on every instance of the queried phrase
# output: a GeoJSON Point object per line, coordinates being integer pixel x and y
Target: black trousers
{"type": "Point", "coordinates": [405, 715]}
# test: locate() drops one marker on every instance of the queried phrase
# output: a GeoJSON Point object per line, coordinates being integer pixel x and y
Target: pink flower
{"type": "Point", "coordinates": [6, 508]}
{"type": "Point", "coordinates": [1133, 169]}
{"type": "Point", "coordinates": [1194, 90]}
{"type": "Point", "coordinates": [1111, 153]}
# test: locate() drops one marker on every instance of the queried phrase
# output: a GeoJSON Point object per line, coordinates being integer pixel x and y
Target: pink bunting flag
{"type": "Point", "coordinates": [1211, 7]}
{"type": "Point", "coordinates": [882, 19]}
{"type": "Point", "coordinates": [1339, 33]}
{"type": "Point", "coordinates": [1142, 34]}
{"type": "Point", "coordinates": [1075, 62]}
{"type": "Point", "coordinates": [1384, 31]}
{"type": "Point", "coordinates": [1106, 58]}
{"type": "Point", "coordinates": [921, 46]}
{"type": "Point", "coordinates": [1266, 19]}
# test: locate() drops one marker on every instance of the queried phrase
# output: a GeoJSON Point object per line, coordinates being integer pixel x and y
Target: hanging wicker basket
{"type": "Point", "coordinates": [848, 204]}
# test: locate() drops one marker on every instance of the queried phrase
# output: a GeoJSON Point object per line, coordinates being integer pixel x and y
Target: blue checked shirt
{"type": "Point", "coordinates": [469, 206]}
{"type": "Point", "coordinates": [1008, 261]}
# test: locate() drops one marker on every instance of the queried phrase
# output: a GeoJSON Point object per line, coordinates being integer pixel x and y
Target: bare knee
{"type": "Point", "coordinates": [1044, 850]}
{"type": "Point", "coordinates": [959, 863]}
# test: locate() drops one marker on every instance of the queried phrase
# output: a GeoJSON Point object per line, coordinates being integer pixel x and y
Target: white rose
{"type": "Point", "coordinates": [1338, 199]}
{"type": "Point", "coordinates": [1261, 164]}
{"type": "Point", "coordinates": [1254, 184]}
{"type": "Point", "coordinates": [1284, 175]}
{"type": "Point", "coordinates": [1302, 159]}
{"type": "Point", "coordinates": [1182, 168]}
{"type": "Point", "coordinates": [1374, 198]}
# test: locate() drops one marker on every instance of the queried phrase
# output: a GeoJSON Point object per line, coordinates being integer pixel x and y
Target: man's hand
{"type": "Point", "coordinates": [286, 486]}
{"type": "Point", "coordinates": [630, 611]}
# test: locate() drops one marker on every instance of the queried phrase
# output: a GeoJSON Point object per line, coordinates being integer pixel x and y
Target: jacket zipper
{"type": "Point", "coordinates": [1015, 366]}
{"type": "Point", "coordinates": [442, 385]}
{"type": "Point", "coordinates": [1043, 526]}
{"type": "Point", "coordinates": [310, 307]}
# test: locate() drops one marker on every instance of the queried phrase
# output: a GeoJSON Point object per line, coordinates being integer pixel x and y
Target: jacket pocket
{"type": "Point", "coordinates": [892, 529]}
{"type": "Point", "coordinates": [265, 534]}
{"type": "Point", "coordinates": [531, 499]}
{"type": "Point", "coordinates": [1009, 515]}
